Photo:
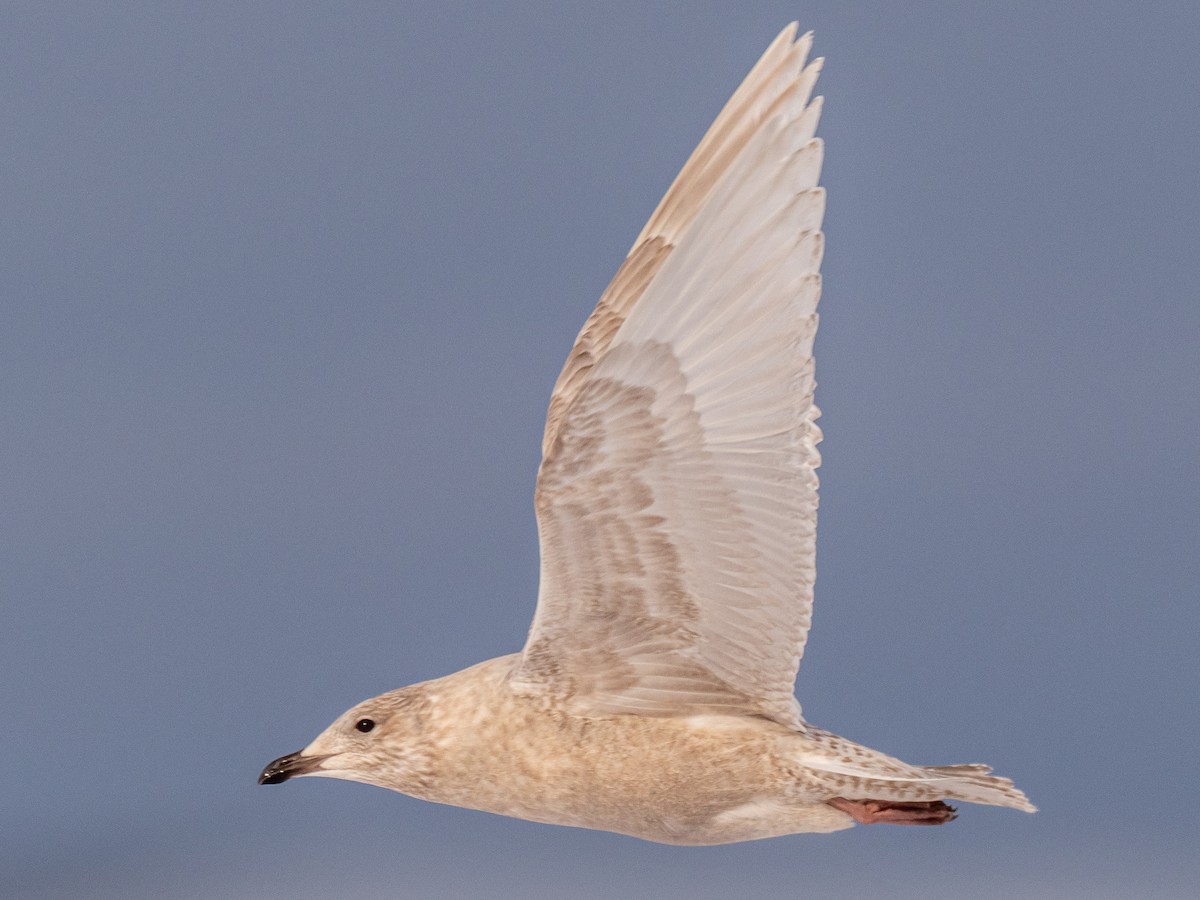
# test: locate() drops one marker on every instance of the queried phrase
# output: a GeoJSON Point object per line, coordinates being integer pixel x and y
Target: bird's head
{"type": "Point", "coordinates": [380, 741]}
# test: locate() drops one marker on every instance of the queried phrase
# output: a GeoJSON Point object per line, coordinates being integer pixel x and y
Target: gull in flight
{"type": "Point", "coordinates": [677, 512]}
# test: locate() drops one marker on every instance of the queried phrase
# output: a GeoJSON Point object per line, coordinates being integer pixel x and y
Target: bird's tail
{"type": "Point", "coordinates": [855, 772]}
{"type": "Point", "coordinates": [975, 784]}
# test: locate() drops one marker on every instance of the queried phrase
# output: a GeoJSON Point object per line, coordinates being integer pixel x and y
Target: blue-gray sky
{"type": "Point", "coordinates": [285, 288]}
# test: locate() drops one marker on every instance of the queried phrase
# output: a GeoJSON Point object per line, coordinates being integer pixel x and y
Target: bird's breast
{"type": "Point", "coordinates": [656, 778]}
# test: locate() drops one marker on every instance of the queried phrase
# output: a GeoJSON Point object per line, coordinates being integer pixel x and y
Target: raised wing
{"type": "Point", "coordinates": [677, 495]}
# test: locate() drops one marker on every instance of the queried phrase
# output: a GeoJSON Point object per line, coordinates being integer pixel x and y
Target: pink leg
{"type": "Point", "coordinates": [893, 812]}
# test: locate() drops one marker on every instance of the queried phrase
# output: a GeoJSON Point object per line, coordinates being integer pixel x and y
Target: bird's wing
{"type": "Point", "coordinates": [677, 494]}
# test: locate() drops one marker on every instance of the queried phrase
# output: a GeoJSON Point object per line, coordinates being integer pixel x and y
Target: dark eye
{"type": "Point", "coordinates": [364, 725]}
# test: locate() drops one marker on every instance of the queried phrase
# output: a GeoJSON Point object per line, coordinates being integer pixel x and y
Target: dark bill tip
{"type": "Point", "coordinates": [286, 767]}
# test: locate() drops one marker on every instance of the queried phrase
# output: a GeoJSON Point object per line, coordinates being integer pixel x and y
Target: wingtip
{"type": "Point", "coordinates": [801, 46]}
{"type": "Point", "coordinates": [792, 28]}
{"type": "Point", "coordinates": [787, 38]}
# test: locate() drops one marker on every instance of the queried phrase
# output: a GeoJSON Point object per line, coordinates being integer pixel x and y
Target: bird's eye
{"type": "Point", "coordinates": [364, 725]}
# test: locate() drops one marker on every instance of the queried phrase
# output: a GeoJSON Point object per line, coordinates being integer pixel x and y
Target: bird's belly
{"type": "Point", "coordinates": [668, 780]}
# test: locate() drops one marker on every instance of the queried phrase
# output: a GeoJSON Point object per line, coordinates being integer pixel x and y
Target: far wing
{"type": "Point", "coordinates": [677, 495]}
{"type": "Point", "coordinates": [779, 82]}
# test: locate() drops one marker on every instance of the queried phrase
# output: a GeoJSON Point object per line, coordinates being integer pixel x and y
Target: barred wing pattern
{"type": "Point", "coordinates": [677, 495]}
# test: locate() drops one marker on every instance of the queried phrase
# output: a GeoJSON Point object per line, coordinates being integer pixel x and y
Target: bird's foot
{"type": "Point", "coordinates": [891, 812]}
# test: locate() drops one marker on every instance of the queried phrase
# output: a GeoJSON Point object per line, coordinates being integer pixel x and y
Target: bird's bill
{"type": "Point", "coordinates": [291, 766]}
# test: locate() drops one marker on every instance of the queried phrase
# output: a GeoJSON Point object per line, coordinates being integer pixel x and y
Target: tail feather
{"type": "Point", "coordinates": [855, 772]}
{"type": "Point", "coordinates": [973, 784]}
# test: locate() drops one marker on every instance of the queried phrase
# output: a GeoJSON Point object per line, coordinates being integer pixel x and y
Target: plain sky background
{"type": "Point", "coordinates": [283, 291]}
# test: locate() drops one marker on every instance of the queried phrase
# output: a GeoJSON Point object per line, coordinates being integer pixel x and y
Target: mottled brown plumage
{"type": "Point", "coordinates": [676, 507]}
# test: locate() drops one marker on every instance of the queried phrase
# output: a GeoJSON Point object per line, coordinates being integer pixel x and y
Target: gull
{"type": "Point", "coordinates": [677, 507]}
